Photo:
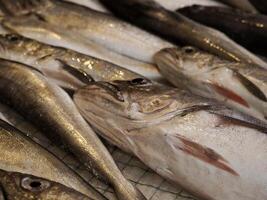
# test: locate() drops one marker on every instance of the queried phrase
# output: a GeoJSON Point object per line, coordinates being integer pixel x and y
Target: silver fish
{"type": "Point", "coordinates": [240, 86]}
{"type": "Point", "coordinates": [14, 185]}
{"type": "Point", "coordinates": [175, 27]}
{"type": "Point", "coordinates": [32, 26]}
{"type": "Point", "coordinates": [100, 28]}
{"type": "Point", "coordinates": [241, 4]}
{"type": "Point", "coordinates": [56, 63]}
{"type": "Point", "coordinates": [51, 109]}
{"type": "Point", "coordinates": [21, 154]}
{"type": "Point", "coordinates": [185, 139]}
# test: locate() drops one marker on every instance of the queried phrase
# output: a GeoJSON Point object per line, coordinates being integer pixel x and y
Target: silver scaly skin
{"type": "Point", "coordinates": [51, 109]}
{"type": "Point", "coordinates": [185, 139]}
{"type": "Point", "coordinates": [241, 86]}
{"type": "Point", "coordinates": [18, 186]}
{"type": "Point", "coordinates": [56, 63]}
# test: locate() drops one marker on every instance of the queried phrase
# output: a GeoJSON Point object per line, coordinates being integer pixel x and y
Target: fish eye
{"type": "Point", "coordinates": [34, 185]}
{"type": "Point", "coordinates": [139, 81]}
{"type": "Point", "coordinates": [189, 50]}
{"type": "Point", "coordinates": [12, 38]}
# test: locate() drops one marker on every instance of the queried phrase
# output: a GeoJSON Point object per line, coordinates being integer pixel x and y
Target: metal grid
{"type": "Point", "coordinates": [153, 186]}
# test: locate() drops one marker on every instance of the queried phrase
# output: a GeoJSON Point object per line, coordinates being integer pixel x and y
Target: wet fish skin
{"type": "Point", "coordinates": [31, 26]}
{"type": "Point", "coordinates": [202, 146]}
{"type": "Point", "coordinates": [52, 111]}
{"type": "Point", "coordinates": [14, 185]}
{"type": "Point", "coordinates": [21, 154]}
{"type": "Point", "coordinates": [246, 28]}
{"type": "Point", "coordinates": [173, 26]}
{"type": "Point", "coordinates": [261, 5]}
{"type": "Point", "coordinates": [54, 62]}
{"type": "Point", "coordinates": [245, 5]}
{"type": "Point", "coordinates": [98, 27]}
{"type": "Point", "coordinates": [239, 86]}
{"type": "Point", "coordinates": [94, 4]}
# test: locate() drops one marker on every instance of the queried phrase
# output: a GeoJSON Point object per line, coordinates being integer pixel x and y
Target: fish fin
{"type": "Point", "coordinates": [78, 73]}
{"type": "Point", "coordinates": [250, 86]}
{"type": "Point", "coordinates": [20, 7]}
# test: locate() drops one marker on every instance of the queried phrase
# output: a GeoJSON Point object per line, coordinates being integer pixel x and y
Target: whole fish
{"type": "Point", "coordinates": [247, 29]}
{"type": "Point", "coordinates": [50, 109]}
{"type": "Point", "coordinates": [245, 5]}
{"type": "Point", "coordinates": [14, 185]}
{"type": "Point", "coordinates": [57, 63]}
{"type": "Point", "coordinates": [32, 26]}
{"type": "Point", "coordinates": [21, 154]}
{"type": "Point", "coordinates": [101, 28]}
{"type": "Point", "coordinates": [174, 26]}
{"type": "Point", "coordinates": [183, 138]}
{"type": "Point", "coordinates": [94, 4]}
{"type": "Point", "coordinates": [239, 86]}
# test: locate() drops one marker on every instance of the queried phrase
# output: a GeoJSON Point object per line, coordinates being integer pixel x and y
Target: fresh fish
{"type": "Point", "coordinates": [174, 4]}
{"type": "Point", "coordinates": [33, 27]}
{"type": "Point", "coordinates": [239, 86]}
{"type": "Point", "coordinates": [21, 154]}
{"type": "Point", "coordinates": [56, 62]}
{"type": "Point", "coordinates": [183, 138]}
{"type": "Point", "coordinates": [247, 29]}
{"type": "Point", "coordinates": [174, 26]}
{"type": "Point", "coordinates": [94, 26]}
{"type": "Point", "coordinates": [245, 5]}
{"type": "Point", "coordinates": [52, 110]}
{"type": "Point", "coordinates": [261, 5]}
{"type": "Point", "coordinates": [14, 185]}
{"type": "Point", "coordinates": [94, 4]}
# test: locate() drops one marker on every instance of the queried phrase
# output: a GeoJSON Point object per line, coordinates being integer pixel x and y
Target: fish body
{"type": "Point", "coordinates": [50, 109]}
{"type": "Point", "coordinates": [33, 27]}
{"type": "Point", "coordinates": [246, 5]}
{"type": "Point", "coordinates": [100, 28]}
{"type": "Point", "coordinates": [239, 86]}
{"type": "Point", "coordinates": [21, 154]}
{"type": "Point", "coordinates": [94, 4]}
{"type": "Point", "coordinates": [173, 26]}
{"type": "Point", "coordinates": [261, 5]}
{"type": "Point", "coordinates": [55, 62]}
{"type": "Point", "coordinates": [14, 185]}
{"type": "Point", "coordinates": [183, 138]}
{"type": "Point", "coordinates": [247, 29]}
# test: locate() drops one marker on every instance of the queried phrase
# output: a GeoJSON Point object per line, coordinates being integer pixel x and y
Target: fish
{"type": "Point", "coordinates": [14, 185]}
{"type": "Point", "coordinates": [22, 154]}
{"type": "Point", "coordinates": [181, 30]}
{"type": "Point", "coordinates": [261, 5]}
{"type": "Point", "coordinates": [56, 63]}
{"type": "Point", "coordinates": [94, 4]}
{"type": "Point", "coordinates": [31, 26]}
{"type": "Point", "coordinates": [100, 28]}
{"type": "Point", "coordinates": [248, 29]}
{"type": "Point", "coordinates": [245, 5]}
{"type": "Point", "coordinates": [51, 109]}
{"type": "Point", "coordinates": [186, 139]}
{"type": "Point", "coordinates": [239, 86]}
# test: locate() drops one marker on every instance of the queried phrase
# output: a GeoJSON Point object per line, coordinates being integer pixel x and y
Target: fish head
{"type": "Point", "coordinates": [182, 61]}
{"type": "Point", "coordinates": [15, 185]}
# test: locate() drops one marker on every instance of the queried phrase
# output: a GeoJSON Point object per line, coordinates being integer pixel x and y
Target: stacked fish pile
{"type": "Point", "coordinates": [81, 69]}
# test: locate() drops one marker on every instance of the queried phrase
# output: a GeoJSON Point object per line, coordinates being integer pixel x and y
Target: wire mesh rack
{"type": "Point", "coordinates": [153, 186]}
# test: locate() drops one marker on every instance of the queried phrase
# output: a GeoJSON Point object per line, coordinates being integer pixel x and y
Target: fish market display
{"type": "Point", "coordinates": [152, 16]}
{"type": "Point", "coordinates": [21, 154]}
{"type": "Point", "coordinates": [14, 185]}
{"type": "Point", "coordinates": [185, 139]}
{"type": "Point", "coordinates": [94, 4]}
{"type": "Point", "coordinates": [94, 26]}
{"type": "Point", "coordinates": [57, 63]}
{"type": "Point", "coordinates": [48, 107]}
{"type": "Point", "coordinates": [247, 29]}
{"type": "Point", "coordinates": [239, 86]}
{"type": "Point", "coordinates": [33, 27]}
{"type": "Point", "coordinates": [245, 5]}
